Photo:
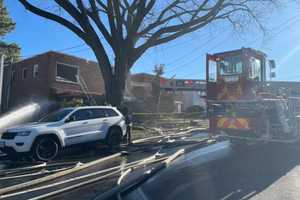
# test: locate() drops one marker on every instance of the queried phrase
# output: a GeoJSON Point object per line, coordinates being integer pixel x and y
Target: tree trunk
{"type": "Point", "coordinates": [114, 78]}
{"type": "Point", "coordinates": [115, 92]}
{"type": "Point", "coordinates": [115, 85]}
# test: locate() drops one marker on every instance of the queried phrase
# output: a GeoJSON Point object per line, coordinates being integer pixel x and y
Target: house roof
{"type": "Point", "coordinates": [51, 52]}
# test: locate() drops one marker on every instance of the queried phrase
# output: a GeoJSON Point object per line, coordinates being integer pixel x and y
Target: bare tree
{"type": "Point", "coordinates": [131, 27]}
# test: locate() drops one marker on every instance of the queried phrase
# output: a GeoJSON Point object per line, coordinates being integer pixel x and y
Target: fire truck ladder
{"type": "Point", "coordinates": [85, 90]}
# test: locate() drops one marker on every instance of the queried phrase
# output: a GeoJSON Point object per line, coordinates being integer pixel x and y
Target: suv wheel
{"type": "Point", "coordinates": [45, 148]}
{"type": "Point", "coordinates": [114, 138]}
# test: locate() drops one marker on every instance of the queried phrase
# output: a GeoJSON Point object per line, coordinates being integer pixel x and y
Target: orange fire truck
{"type": "Point", "coordinates": [241, 104]}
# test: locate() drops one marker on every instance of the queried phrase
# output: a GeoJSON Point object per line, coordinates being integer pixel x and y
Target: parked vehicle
{"type": "Point", "coordinates": [242, 106]}
{"type": "Point", "coordinates": [69, 126]}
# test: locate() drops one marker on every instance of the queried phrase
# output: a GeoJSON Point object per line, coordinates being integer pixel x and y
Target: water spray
{"type": "Point", "coordinates": [18, 116]}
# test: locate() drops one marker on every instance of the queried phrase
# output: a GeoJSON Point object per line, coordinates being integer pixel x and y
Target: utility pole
{"type": "Point", "coordinates": [173, 82]}
{"type": "Point", "coordinates": [1, 78]}
{"type": "Point", "coordinates": [159, 70]}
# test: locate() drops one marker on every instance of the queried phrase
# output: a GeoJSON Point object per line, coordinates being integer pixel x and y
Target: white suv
{"type": "Point", "coordinates": [68, 126]}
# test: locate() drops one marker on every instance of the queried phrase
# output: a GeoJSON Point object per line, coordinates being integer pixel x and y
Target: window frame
{"type": "Point", "coordinates": [35, 71]}
{"type": "Point", "coordinates": [104, 110]}
{"type": "Point", "coordinates": [23, 70]}
{"type": "Point", "coordinates": [73, 113]}
{"type": "Point", "coordinates": [212, 65]}
{"type": "Point", "coordinates": [223, 73]}
{"type": "Point", "coordinates": [69, 65]}
{"type": "Point", "coordinates": [107, 114]}
{"type": "Point", "coordinates": [250, 70]}
{"type": "Point", "coordinates": [61, 110]}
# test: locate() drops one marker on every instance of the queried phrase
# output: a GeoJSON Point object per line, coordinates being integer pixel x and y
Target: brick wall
{"type": "Point", "coordinates": [22, 90]}
{"type": "Point", "coordinates": [88, 70]}
{"type": "Point", "coordinates": [45, 84]}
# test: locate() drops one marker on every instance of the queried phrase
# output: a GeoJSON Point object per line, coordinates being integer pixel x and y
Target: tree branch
{"type": "Point", "coordinates": [94, 15]}
{"type": "Point", "coordinates": [181, 29]}
{"type": "Point", "coordinates": [53, 17]}
{"type": "Point", "coordinates": [125, 24]}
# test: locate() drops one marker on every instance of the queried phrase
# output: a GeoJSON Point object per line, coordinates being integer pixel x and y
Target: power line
{"type": "Point", "coordinates": [59, 50]}
{"type": "Point", "coordinates": [73, 47]}
{"type": "Point", "coordinates": [80, 50]}
{"type": "Point", "coordinates": [281, 27]}
{"type": "Point", "coordinates": [185, 42]}
{"type": "Point", "coordinates": [67, 49]}
{"type": "Point", "coordinates": [189, 53]}
{"type": "Point", "coordinates": [155, 49]}
{"type": "Point", "coordinates": [197, 56]}
{"type": "Point", "coordinates": [185, 74]}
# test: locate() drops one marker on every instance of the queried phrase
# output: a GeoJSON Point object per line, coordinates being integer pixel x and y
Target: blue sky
{"type": "Point", "coordinates": [184, 57]}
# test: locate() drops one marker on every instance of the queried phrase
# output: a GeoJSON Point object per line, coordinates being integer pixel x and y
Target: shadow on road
{"type": "Point", "coordinates": [242, 175]}
{"type": "Point", "coordinates": [252, 171]}
{"type": "Point", "coordinates": [80, 153]}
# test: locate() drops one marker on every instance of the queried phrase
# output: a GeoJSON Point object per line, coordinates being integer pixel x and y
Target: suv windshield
{"type": "Point", "coordinates": [56, 116]}
{"type": "Point", "coordinates": [231, 65]}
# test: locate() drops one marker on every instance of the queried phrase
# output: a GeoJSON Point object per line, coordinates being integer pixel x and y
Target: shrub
{"type": "Point", "coordinates": [194, 109]}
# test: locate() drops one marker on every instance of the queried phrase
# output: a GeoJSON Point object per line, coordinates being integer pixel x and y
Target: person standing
{"type": "Point", "coordinates": [128, 121]}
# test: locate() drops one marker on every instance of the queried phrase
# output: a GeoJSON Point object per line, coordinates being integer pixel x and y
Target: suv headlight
{"type": "Point", "coordinates": [23, 133]}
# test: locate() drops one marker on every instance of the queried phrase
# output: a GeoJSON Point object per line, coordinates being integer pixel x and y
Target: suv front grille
{"type": "Point", "coordinates": [9, 135]}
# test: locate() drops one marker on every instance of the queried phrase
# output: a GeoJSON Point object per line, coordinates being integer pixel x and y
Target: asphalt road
{"type": "Point", "coordinates": [260, 172]}
{"type": "Point", "coordinates": [254, 172]}
{"type": "Point", "coordinates": [257, 172]}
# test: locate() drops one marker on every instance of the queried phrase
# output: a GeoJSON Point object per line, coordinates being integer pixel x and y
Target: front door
{"type": "Point", "coordinates": [78, 126]}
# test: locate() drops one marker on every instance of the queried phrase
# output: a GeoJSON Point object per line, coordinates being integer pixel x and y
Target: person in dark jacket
{"type": "Point", "coordinates": [128, 121]}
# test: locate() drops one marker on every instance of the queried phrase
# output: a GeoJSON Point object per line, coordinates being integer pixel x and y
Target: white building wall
{"type": "Point", "coordinates": [191, 98]}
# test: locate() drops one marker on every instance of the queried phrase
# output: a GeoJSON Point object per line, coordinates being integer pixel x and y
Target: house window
{"type": "Point", "coordinates": [24, 73]}
{"type": "Point", "coordinates": [13, 75]}
{"type": "Point", "coordinates": [212, 71]}
{"type": "Point", "coordinates": [67, 73]}
{"type": "Point", "coordinates": [35, 71]}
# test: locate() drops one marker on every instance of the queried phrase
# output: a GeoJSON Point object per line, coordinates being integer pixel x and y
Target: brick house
{"type": "Point", "coordinates": [139, 85]}
{"type": "Point", "coordinates": [53, 76]}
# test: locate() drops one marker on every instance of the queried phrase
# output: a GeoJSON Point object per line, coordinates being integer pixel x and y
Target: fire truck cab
{"type": "Point", "coordinates": [240, 104]}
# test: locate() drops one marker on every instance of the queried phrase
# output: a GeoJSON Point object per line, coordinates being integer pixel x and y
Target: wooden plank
{"type": "Point", "coordinates": [56, 175]}
{"type": "Point", "coordinates": [111, 171]}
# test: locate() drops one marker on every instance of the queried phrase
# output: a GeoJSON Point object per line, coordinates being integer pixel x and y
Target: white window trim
{"type": "Point", "coordinates": [33, 71]}
{"type": "Point", "coordinates": [23, 69]}
{"type": "Point", "coordinates": [74, 66]}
